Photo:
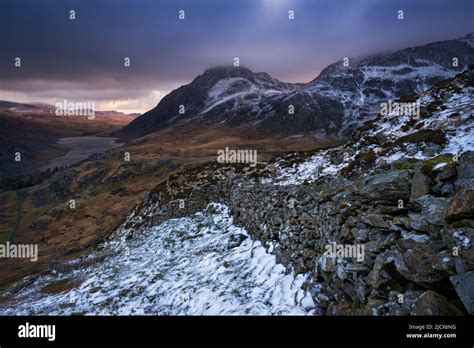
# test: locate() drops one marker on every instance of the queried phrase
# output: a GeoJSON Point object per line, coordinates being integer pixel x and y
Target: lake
{"type": "Point", "coordinates": [79, 148]}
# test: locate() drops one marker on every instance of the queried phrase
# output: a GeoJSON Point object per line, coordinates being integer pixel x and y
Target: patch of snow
{"type": "Point", "coordinates": [181, 267]}
{"type": "Point", "coordinates": [219, 93]}
{"type": "Point", "coordinates": [311, 169]}
{"type": "Point", "coordinates": [463, 241]}
{"type": "Point", "coordinates": [440, 165]}
{"type": "Point", "coordinates": [417, 237]}
{"type": "Point", "coordinates": [462, 141]}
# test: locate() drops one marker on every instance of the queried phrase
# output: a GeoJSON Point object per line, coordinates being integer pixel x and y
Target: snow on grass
{"type": "Point", "coordinates": [462, 141]}
{"type": "Point", "coordinates": [181, 267]}
{"type": "Point", "coordinates": [460, 137]}
{"type": "Point", "coordinates": [309, 170]}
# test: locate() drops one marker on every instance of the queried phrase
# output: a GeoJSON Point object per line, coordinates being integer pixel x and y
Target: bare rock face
{"type": "Point", "coordinates": [388, 186]}
{"type": "Point", "coordinates": [421, 183]}
{"type": "Point", "coordinates": [464, 285]}
{"type": "Point", "coordinates": [465, 171]}
{"type": "Point", "coordinates": [432, 303]}
{"type": "Point", "coordinates": [461, 205]}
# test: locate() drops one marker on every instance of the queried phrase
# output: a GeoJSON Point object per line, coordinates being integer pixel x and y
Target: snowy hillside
{"type": "Point", "coordinates": [361, 84]}
{"type": "Point", "coordinates": [191, 266]}
{"type": "Point", "coordinates": [447, 108]}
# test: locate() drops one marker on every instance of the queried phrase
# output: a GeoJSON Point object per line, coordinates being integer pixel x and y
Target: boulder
{"type": "Point", "coordinates": [433, 208]}
{"type": "Point", "coordinates": [418, 263]}
{"type": "Point", "coordinates": [388, 186]}
{"type": "Point", "coordinates": [396, 307]}
{"type": "Point", "coordinates": [465, 171]}
{"type": "Point", "coordinates": [461, 205]}
{"type": "Point", "coordinates": [432, 303]}
{"type": "Point", "coordinates": [460, 238]}
{"type": "Point", "coordinates": [376, 220]}
{"type": "Point", "coordinates": [464, 285]}
{"type": "Point", "coordinates": [403, 221]}
{"type": "Point", "coordinates": [420, 185]}
{"type": "Point", "coordinates": [418, 222]}
{"type": "Point", "coordinates": [384, 271]}
{"type": "Point", "coordinates": [431, 217]}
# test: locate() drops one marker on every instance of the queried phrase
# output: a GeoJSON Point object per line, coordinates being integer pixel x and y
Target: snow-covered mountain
{"type": "Point", "coordinates": [339, 99]}
{"type": "Point", "coordinates": [363, 84]}
{"type": "Point", "coordinates": [444, 127]}
{"type": "Point", "coordinates": [238, 97]}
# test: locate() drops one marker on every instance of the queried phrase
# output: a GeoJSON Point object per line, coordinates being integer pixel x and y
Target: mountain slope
{"type": "Point", "coordinates": [339, 99]}
{"type": "Point", "coordinates": [237, 97]}
{"type": "Point", "coordinates": [363, 84]}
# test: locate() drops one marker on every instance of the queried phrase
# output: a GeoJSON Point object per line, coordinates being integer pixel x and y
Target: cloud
{"type": "Point", "coordinates": [107, 95]}
{"type": "Point", "coordinates": [83, 59]}
{"type": "Point", "coordinates": [141, 105]}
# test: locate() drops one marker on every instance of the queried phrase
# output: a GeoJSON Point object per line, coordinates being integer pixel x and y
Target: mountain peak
{"type": "Point", "coordinates": [469, 36]}
{"type": "Point", "coordinates": [210, 77]}
{"type": "Point", "coordinates": [228, 69]}
{"type": "Point", "coordinates": [223, 72]}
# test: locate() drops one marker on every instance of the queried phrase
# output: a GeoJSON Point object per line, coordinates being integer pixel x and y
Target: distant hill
{"type": "Point", "coordinates": [34, 129]}
{"type": "Point", "coordinates": [40, 108]}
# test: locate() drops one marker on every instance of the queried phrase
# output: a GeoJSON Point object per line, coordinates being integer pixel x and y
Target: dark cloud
{"type": "Point", "coordinates": [84, 57]}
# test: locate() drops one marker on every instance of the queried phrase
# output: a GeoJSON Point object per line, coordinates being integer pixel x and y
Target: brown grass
{"type": "Point", "coordinates": [96, 216]}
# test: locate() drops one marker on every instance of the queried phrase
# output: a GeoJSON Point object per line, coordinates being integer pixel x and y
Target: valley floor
{"type": "Point", "coordinates": [79, 148]}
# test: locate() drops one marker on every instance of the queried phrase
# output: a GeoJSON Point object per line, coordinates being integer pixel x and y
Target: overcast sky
{"type": "Point", "coordinates": [82, 59]}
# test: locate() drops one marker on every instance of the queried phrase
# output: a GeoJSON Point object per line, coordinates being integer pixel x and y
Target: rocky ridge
{"type": "Point", "coordinates": [402, 188]}
{"type": "Point", "coordinates": [364, 83]}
